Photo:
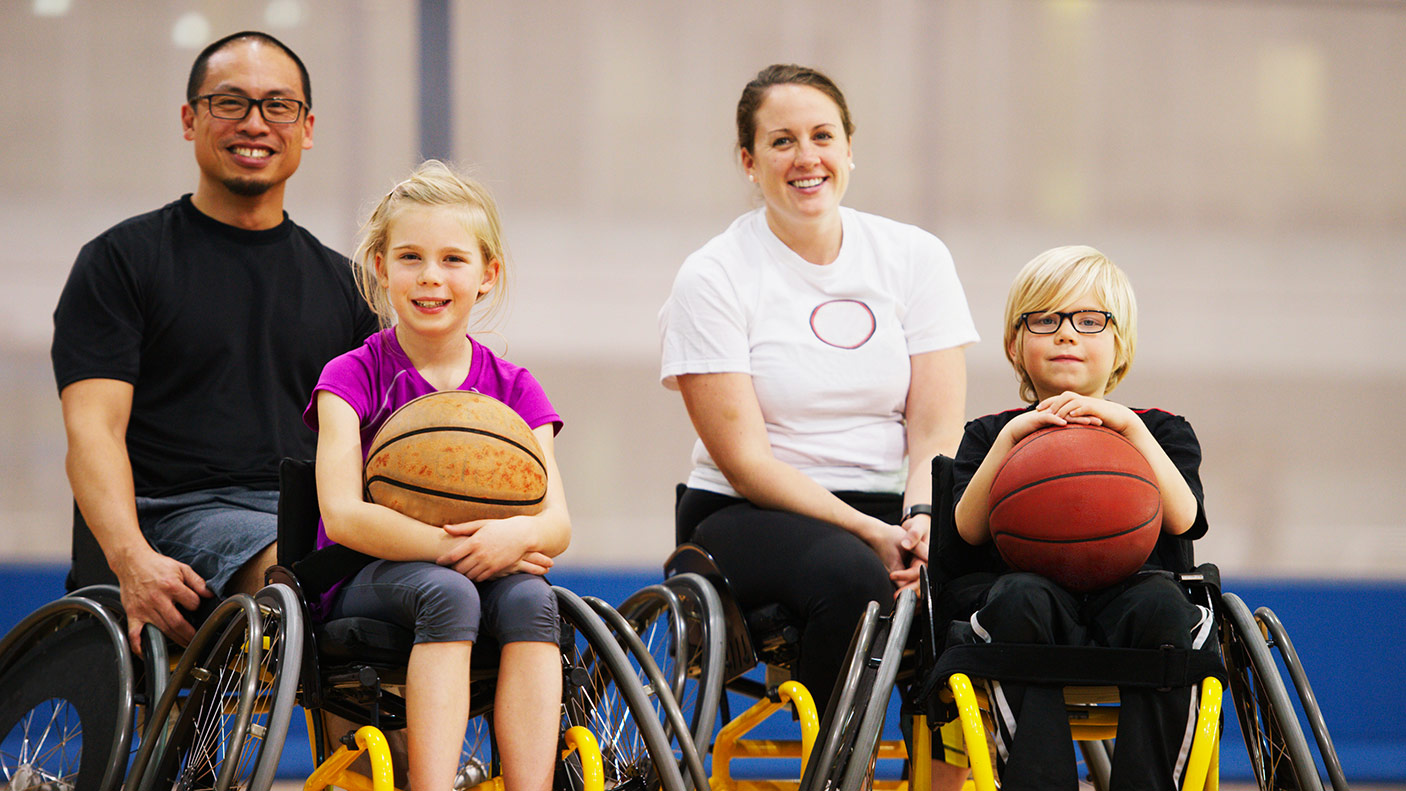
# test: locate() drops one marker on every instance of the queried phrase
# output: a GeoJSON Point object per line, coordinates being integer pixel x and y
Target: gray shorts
{"type": "Point", "coordinates": [214, 531]}
{"type": "Point", "coordinates": [442, 605]}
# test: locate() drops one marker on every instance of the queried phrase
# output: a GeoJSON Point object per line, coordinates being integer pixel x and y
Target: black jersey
{"type": "Point", "coordinates": [222, 333]}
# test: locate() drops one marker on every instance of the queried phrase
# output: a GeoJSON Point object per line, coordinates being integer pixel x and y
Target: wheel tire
{"type": "Point", "coordinates": [839, 725]}
{"type": "Point", "coordinates": [227, 707]}
{"type": "Point", "coordinates": [1279, 754]}
{"type": "Point", "coordinates": [602, 693]}
{"type": "Point", "coordinates": [680, 624]}
{"type": "Point", "coordinates": [66, 711]}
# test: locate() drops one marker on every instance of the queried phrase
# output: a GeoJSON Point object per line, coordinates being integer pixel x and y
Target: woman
{"type": "Point", "coordinates": [817, 349]}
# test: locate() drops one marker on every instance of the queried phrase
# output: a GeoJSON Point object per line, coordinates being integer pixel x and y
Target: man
{"type": "Point", "coordinates": [186, 342]}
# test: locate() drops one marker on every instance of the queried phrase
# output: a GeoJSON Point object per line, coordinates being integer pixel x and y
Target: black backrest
{"type": "Point", "coordinates": [89, 565]}
{"type": "Point", "coordinates": [297, 510]}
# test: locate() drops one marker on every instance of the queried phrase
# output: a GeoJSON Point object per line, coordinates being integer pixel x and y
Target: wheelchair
{"type": "Point", "coordinates": [221, 720]}
{"type": "Point", "coordinates": [62, 725]}
{"type": "Point", "coordinates": [692, 643]}
{"type": "Point", "coordinates": [1240, 663]}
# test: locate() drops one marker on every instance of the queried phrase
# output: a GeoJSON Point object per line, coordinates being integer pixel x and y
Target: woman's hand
{"type": "Point", "coordinates": [917, 533]}
{"type": "Point", "coordinates": [887, 542]}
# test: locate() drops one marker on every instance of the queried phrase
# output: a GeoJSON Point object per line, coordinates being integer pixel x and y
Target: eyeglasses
{"type": "Point", "coordinates": [233, 107]}
{"type": "Point", "coordinates": [1084, 322]}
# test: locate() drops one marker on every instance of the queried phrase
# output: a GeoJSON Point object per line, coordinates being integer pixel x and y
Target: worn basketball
{"type": "Point", "coordinates": [456, 456]}
{"type": "Point", "coordinates": [1078, 504]}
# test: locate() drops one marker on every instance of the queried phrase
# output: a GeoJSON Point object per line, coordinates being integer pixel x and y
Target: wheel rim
{"type": "Point", "coordinates": [594, 701]}
{"type": "Point", "coordinates": [44, 749]}
{"type": "Point", "coordinates": [1270, 758]}
{"type": "Point", "coordinates": [225, 726]}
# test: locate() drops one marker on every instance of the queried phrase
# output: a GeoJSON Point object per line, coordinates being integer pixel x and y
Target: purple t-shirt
{"type": "Point", "coordinates": [378, 378]}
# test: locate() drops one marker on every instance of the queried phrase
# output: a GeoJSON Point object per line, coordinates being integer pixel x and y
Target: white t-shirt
{"type": "Point", "coordinates": [827, 347]}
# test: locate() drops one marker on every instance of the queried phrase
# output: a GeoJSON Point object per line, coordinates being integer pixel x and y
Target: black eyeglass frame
{"type": "Point", "coordinates": [249, 104]}
{"type": "Point", "coordinates": [1025, 319]}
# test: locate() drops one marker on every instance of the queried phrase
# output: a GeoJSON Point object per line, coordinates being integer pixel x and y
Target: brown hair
{"type": "Point", "coordinates": [783, 74]}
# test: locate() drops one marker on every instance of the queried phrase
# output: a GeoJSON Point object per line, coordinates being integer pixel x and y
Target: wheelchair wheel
{"type": "Point", "coordinates": [854, 766]}
{"type": "Point", "coordinates": [1279, 638]}
{"type": "Point", "coordinates": [680, 626]}
{"type": "Point", "coordinates": [1279, 754]}
{"type": "Point", "coordinates": [66, 715]}
{"type": "Point", "coordinates": [839, 726]}
{"type": "Point", "coordinates": [602, 693]}
{"type": "Point", "coordinates": [224, 716]}
{"type": "Point", "coordinates": [658, 691]}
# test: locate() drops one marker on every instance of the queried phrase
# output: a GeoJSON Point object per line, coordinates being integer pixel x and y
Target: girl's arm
{"type": "Point", "coordinates": [350, 520]}
{"type": "Point", "coordinates": [489, 548]}
{"type": "Point", "coordinates": [936, 407]}
{"type": "Point", "coordinates": [728, 419]}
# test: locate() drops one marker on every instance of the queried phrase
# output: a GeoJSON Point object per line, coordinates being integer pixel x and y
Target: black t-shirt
{"type": "Point", "coordinates": [1172, 432]}
{"type": "Point", "coordinates": [221, 331]}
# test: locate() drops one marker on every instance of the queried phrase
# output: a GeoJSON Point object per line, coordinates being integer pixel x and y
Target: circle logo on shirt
{"type": "Point", "coordinates": [843, 323]}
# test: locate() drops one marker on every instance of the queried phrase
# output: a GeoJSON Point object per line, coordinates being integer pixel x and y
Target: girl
{"type": "Point", "coordinates": [430, 250]}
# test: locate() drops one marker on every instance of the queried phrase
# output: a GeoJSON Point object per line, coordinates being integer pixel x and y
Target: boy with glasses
{"type": "Point", "coordinates": [1071, 330]}
{"type": "Point", "coordinates": [186, 341]}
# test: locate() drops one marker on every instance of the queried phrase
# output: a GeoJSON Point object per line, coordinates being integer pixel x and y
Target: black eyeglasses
{"type": "Point", "coordinates": [233, 107]}
{"type": "Point", "coordinates": [1084, 322]}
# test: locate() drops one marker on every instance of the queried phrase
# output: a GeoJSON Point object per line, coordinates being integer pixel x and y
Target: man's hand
{"type": "Point", "coordinates": [154, 587]}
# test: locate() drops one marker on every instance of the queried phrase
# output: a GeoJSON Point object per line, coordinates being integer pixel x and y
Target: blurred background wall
{"type": "Point", "coordinates": [1243, 161]}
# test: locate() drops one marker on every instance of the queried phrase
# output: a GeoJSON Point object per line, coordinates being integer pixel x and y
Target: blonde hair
{"type": "Point", "coordinates": [432, 184]}
{"type": "Point", "coordinates": [1054, 278]}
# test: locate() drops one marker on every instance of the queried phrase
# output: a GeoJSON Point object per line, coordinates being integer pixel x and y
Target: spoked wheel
{"type": "Point", "coordinates": [602, 693]}
{"type": "Point", "coordinates": [839, 726]}
{"type": "Point", "coordinates": [680, 626]}
{"type": "Point", "coordinates": [66, 699]}
{"type": "Point", "coordinates": [227, 707]}
{"type": "Point", "coordinates": [854, 718]}
{"type": "Point", "coordinates": [1279, 638]}
{"type": "Point", "coordinates": [1279, 754]}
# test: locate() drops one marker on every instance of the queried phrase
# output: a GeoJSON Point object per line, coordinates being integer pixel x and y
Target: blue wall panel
{"type": "Point", "coordinates": [1348, 635]}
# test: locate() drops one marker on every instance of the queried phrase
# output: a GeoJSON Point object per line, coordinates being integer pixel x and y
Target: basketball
{"type": "Point", "coordinates": [456, 456]}
{"type": "Point", "coordinates": [1077, 504]}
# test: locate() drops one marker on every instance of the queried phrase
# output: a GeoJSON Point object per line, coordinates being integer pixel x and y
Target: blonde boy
{"type": "Point", "coordinates": [1070, 334]}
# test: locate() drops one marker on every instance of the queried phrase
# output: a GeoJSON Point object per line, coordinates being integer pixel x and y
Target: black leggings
{"type": "Point", "coordinates": [823, 574]}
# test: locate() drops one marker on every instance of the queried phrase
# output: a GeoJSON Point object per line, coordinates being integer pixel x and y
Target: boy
{"type": "Point", "coordinates": [1071, 329]}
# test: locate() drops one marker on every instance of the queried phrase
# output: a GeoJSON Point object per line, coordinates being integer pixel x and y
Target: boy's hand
{"type": "Point", "coordinates": [1076, 408]}
{"type": "Point", "coordinates": [1024, 425]}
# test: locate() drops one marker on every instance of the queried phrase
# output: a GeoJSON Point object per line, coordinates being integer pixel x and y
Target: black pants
{"type": "Point", "coordinates": [1154, 727]}
{"type": "Point", "coordinates": [821, 573]}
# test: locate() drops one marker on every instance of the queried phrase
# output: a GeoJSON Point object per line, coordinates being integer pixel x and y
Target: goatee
{"type": "Point", "coordinates": [248, 188]}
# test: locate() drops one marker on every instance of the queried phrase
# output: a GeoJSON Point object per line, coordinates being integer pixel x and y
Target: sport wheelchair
{"type": "Point", "coordinates": [692, 643]}
{"type": "Point", "coordinates": [1279, 754]}
{"type": "Point", "coordinates": [222, 718]}
{"type": "Point", "coordinates": [61, 724]}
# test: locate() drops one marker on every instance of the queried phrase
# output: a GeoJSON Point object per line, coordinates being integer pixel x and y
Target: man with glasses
{"type": "Point", "coordinates": [186, 342]}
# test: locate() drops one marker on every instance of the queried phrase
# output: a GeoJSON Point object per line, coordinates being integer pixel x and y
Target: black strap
{"type": "Point", "coordinates": [1151, 668]}
{"type": "Point", "coordinates": [325, 567]}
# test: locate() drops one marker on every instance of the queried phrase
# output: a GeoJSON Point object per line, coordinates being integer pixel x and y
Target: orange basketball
{"type": "Point", "coordinates": [1078, 504]}
{"type": "Point", "coordinates": [456, 456]}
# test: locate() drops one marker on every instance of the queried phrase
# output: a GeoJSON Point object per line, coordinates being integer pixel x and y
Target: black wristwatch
{"type": "Point", "coordinates": [917, 508]}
